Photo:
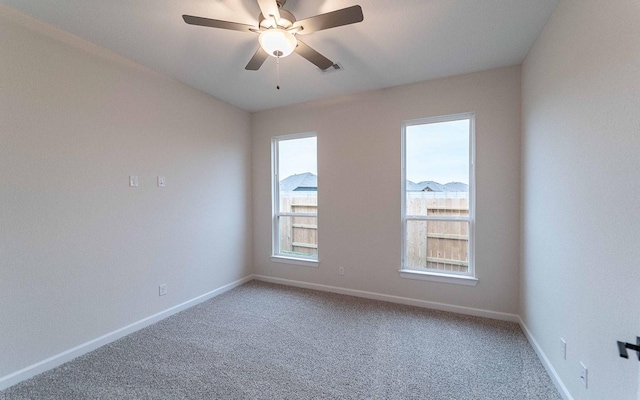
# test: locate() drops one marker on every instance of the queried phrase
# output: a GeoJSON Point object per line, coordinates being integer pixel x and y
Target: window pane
{"type": "Point", "coordinates": [297, 171]}
{"type": "Point", "coordinates": [298, 236]}
{"type": "Point", "coordinates": [437, 168]}
{"type": "Point", "coordinates": [438, 245]}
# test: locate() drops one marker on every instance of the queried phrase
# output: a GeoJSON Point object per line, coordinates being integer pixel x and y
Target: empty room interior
{"type": "Point", "coordinates": [144, 187]}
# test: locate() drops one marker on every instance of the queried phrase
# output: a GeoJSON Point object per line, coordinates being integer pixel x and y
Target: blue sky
{"type": "Point", "coordinates": [435, 152]}
{"type": "Point", "coordinates": [297, 156]}
{"type": "Point", "coordinates": [438, 152]}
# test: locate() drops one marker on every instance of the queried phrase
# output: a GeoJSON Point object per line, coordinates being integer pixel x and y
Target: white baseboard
{"type": "Point", "coordinates": [555, 378]}
{"type": "Point", "coordinates": [477, 312]}
{"type": "Point", "coordinates": [59, 359]}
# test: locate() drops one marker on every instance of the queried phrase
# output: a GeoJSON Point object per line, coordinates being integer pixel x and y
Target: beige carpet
{"type": "Point", "coordinates": [266, 341]}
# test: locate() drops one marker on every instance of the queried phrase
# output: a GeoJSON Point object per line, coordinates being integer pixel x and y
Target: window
{"type": "Point", "coordinates": [295, 199]}
{"type": "Point", "coordinates": [438, 199]}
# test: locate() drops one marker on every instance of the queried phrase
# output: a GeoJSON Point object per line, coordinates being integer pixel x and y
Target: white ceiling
{"type": "Point", "coordinates": [399, 42]}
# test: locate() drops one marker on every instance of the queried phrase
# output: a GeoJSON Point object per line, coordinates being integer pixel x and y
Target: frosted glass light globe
{"type": "Point", "coordinates": [278, 42]}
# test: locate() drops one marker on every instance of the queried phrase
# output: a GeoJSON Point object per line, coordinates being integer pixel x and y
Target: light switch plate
{"type": "Point", "coordinates": [133, 180]}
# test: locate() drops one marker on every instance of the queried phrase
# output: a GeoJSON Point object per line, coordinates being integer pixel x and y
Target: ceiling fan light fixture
{"type": "Point", "coordinates": [278, 42]}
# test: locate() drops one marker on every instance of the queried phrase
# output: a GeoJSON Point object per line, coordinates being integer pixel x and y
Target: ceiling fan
{"type": "Point", "coordinates": [278, 30]}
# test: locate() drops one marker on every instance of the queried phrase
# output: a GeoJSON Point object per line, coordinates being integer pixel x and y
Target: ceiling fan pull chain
{"type": "Point", "coordinates": [278, 72]}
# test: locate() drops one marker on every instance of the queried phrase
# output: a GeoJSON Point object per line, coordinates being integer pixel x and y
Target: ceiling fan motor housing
{"type": "Point", "coordinates": [286, 20]}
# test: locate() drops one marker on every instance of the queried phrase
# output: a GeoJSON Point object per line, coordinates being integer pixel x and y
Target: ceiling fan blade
{"type": "Point", "coordinates": [310, 54]}
{"type": "Point", "coordinates": [345, 16]}
{"type": "Point", "coordinates": [257, 60]}
{"type": "Point", "coordinates": [269, 8]}
{"type": "Point", "coordinates": [215, 23]}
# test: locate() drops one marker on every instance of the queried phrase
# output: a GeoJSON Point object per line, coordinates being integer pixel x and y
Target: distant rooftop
{"type": "Point", "coordinates": [306, 182]}
{"type": "Point", "coordinates": [431, 186]}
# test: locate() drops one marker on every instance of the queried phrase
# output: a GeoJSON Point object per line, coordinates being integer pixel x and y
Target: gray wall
{"type": "Point", "coordinates": [359, 187]}
{"type": "Point", "coordinates": [81, 253]}
{"type": "Point", "coordinates": [580, 192]}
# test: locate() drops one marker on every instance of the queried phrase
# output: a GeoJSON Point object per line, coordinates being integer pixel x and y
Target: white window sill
{"type": "Point", "coordinates": [305, 262]}
{"type": "Point", "coordinates": [438, 277]}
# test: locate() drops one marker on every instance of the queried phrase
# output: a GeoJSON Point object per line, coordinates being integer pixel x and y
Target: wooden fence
{"type": "Point", "coordinates": [299, 235]}
{"type": "Point", "coordinates": [438, 245]}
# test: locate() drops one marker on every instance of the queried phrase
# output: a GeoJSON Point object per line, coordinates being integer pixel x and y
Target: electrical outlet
{"type": "Point", "coordinates": [583, 374]}
{"type": "Point", "coordinates": [340, 270]}
{"type": "Point", "coordinates": [161, 181]}
{"type": "Point", "coordinates": [563, 348]}
{"type": "Point", "coordinates": [162, 289]}
{"type": "Point", "coordinates": [133, 181]}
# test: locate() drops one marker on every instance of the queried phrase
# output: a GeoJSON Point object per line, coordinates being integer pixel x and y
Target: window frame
{"type": "Point", "coordinates": [276, 255]}
{"type": "Point", "coordinates": [468, 278]}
